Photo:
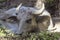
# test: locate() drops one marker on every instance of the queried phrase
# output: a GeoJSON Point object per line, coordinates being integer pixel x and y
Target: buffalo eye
{"type": "Point", "coordinates": [28, 21]}
{"type": "Point", "coordinates": [16, 13]}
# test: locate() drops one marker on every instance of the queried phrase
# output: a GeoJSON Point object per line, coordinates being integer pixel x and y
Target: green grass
{"type": "Point", "coordinates": [32, 36]}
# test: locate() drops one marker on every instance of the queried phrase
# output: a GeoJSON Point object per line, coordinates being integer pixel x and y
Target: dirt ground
{"type": "Point", "coordinates": [56, 21]}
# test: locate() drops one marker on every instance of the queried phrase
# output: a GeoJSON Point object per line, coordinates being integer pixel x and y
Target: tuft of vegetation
{"type": "Point", "coordinates": [30, 36]}
{"type": "Point", "coordinates": [41, 36]}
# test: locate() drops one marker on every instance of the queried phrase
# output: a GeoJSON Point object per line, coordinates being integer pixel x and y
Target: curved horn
{"type": "Point", "coordinates": [38, 11]}
{"type": "Point", "coordinates": [19, 6]}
